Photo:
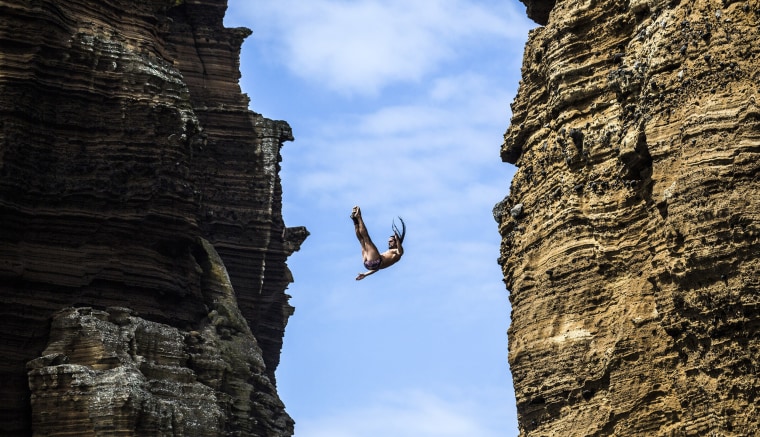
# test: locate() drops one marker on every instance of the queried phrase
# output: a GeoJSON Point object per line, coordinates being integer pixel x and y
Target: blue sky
{"type": "Point", "coordinates": [399, 107]}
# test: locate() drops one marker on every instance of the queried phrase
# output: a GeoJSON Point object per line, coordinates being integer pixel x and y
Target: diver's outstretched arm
{"type": "Point", "coordinates": [364, 275]}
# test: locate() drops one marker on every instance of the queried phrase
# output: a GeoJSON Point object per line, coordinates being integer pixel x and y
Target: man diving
{"type": "Point", "coordinates": [373, 259]}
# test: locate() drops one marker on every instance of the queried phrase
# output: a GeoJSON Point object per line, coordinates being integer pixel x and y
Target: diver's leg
{"type": "Point", "coordinates": [369, 250]}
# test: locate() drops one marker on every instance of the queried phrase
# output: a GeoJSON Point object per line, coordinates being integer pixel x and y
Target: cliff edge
{"type": "Point", "coordinates": [631, 233]}
{"type": "Point", "coordinates": [142, 247]}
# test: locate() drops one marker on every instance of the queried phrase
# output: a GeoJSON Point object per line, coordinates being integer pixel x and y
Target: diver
{"type": "Point", "coordinates": [373, 259]}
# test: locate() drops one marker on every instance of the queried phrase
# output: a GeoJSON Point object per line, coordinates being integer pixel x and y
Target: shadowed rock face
{"type": "Point", "coordinates": [133, 182]}
{"type": "Point", "coordinates": [631, 232]}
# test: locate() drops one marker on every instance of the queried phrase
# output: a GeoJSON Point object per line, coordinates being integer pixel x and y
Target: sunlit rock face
{"type": "Point", "coordinates": [631, 233]}
{"type": "Point", "coordinates": [142, 247]}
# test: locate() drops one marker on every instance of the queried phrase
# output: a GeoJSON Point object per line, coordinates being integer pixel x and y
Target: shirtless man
{"type": "Point", "coordinates": [373, 259]}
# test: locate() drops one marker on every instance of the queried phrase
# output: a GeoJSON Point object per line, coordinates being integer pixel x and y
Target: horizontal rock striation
{"type": "Point", "coordinates": [128, 160]}
{"type": "Point", "coordinates": [114, 372]}
{"type": "Point", "coordinates": [631, 234]}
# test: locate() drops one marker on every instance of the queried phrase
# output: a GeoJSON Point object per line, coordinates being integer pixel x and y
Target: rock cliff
{"type": "Point", "coordinates": [631, 233]}
{"type": "Point", "coordinates": [142, 247]}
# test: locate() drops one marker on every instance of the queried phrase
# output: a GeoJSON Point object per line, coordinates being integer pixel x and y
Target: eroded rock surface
{"type": "Point", "coordinates": [632, 260]}
{"type": "Point", "coordinates": [127, 156]}
{"type": "Point", "coordinates": [111, 372]}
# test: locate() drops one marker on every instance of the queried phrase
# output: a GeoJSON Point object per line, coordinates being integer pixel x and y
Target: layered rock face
{"type": "Point", "coordinates": [631, 234]}
{"type": "Point", "coordinates": [142, 247]}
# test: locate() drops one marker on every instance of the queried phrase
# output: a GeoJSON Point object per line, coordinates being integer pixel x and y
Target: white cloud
{"type": "Point", "coordinates": [459, 87]}
{"type": "Point", "coordinates": [423, 153]}
{"type": "Point", "coordinates": [362, 46]}
{"type": "Point", "coordinates": [405, 119]}
{"type": "Point", "coordinates": [410, 413]}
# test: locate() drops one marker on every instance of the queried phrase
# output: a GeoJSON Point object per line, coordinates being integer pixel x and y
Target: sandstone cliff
{"type": "Point", "coordinates": [631, 234]}
{"type": "Point", "coordinates": [142, 247]}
